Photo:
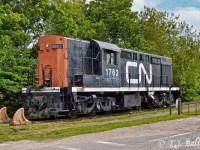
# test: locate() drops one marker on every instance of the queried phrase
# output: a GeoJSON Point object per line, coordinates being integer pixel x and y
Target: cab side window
{"type": "Point", "coordinates": [110, 57]}
{"type": "Point", "coordinates": [155, 60]}
{"type": "Point", "coordinates": [125, 55]}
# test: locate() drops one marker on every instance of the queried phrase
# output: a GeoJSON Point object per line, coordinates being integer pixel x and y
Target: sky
{"type": "Point", "coordinates": [187, 10]}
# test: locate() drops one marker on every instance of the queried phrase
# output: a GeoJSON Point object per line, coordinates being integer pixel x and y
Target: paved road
{"type": "Point", "coordinates": [181, 134]}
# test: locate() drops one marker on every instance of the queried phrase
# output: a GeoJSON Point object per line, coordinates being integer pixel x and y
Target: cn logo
{"type": "Point", "coordinates": [140, 70]}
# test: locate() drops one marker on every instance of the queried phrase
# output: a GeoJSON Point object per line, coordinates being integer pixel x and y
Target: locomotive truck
{"type": "Point", "coordinates": [88, 76]}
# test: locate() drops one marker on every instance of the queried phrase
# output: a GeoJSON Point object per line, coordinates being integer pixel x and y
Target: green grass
{"type": "Point", "coordinates": [61, 129]}
{"type": "Point", "coordinates": [45, 131]}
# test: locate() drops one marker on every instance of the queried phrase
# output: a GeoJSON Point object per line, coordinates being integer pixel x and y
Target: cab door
{"type": "Point", "coordinates": [111, 68]}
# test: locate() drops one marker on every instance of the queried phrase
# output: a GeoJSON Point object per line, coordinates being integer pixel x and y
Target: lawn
{"type": "Point", "coordinates": [65, 128]}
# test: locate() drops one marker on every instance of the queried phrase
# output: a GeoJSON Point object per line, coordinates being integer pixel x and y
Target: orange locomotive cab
{"type": "Point", "coordinates": [52, 57]}
{"type": "Point", "coordinates": [51, 97]}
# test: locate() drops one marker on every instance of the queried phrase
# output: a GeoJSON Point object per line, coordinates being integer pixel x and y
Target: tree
{"type": "Point", "coordinates": [163, 33]}
{"type": "Point", "coordinates": [14, 57]}
{"type": "Point", "coordinates": [60, 22]}
{"type": "Point", "coordinates": [113, 21]}
{"type": "Point", "coordinates": [35, 11]}
{"type": "Point", "coordinates": [11, 26]}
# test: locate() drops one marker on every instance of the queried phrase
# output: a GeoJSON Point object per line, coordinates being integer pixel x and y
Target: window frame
{"type": "Point", "coordinates": [126, 55]}
{"type": "Point", "coordinates": [142, 57]}
{"type": "Point", "coordinates": [155, 60]}
{"type": "Point", "coordinates": [135, 56]}
{"type": "Point", "coordinates": [112, 57]}
{"type": "Point", "coordinates": [147, 58]}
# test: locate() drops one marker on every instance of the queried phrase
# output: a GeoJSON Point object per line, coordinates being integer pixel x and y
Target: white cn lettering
{"type": "Point", "coordinates": [130, 64]}
{"type": "Point", "coordinates": [141, 68]}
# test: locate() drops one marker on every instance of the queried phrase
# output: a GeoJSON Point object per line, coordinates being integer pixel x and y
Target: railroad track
{"type": "Point", "coordinates": [119, 113]}
{"type": "Point", "coordinates": [98, 115]}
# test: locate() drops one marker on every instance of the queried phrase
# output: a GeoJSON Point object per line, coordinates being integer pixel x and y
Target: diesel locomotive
{"type": "Point", "coordinates": [88, 76]}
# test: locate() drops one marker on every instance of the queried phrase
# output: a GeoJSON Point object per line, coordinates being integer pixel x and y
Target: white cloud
{"type": "Point", "coordinates": [190, 15]}
{"type": "Point", "coordinates": [138, 5]}
{"type": "Point", "coordinates": [87, 1]}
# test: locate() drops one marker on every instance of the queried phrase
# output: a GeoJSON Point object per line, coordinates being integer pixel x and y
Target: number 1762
{"type": "Point", "coordinates": [112, 72]}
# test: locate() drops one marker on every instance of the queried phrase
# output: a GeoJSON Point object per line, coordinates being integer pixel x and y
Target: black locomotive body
{"type": "Point", "coordinates": [88, 76]}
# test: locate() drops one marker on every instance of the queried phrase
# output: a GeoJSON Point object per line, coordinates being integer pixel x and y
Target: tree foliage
{"type": "Point", "coordinates": [164, 34]}
{"type": "Point", "coordinates": [11, 27]}
{"type": "Point", "coordinates": [14, 56]}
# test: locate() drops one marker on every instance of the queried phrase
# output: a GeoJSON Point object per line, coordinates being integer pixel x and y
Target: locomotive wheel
{"type": "Point", "coordinates": [159, 101]}
{"type": "Point", "coordinates": [150, 105]}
